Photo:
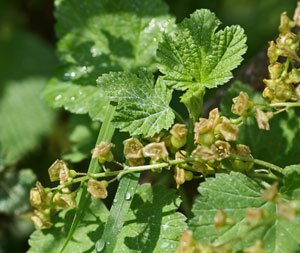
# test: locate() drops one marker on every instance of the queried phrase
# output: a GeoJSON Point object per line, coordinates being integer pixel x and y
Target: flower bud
{"type": "Point", "coordinates": [72, 173]}
{"type": "Point", "coordinates": [294, 76]}
{"type": "Point", "coordinates": [270, 193]}
{"type": "Point", "coordinates": [103, 151]}
{"type": "Point", "coordinates": [178, 143]}
{"type": "Point", "coordinates": [179, 131]}
{"type": "Point", "coordinates": [55, 168]}
{"type": "Point", "coordinates": [97, 189]}
{"type": "Point", "coordinates": [262, 119]}
{"type": "Point", "coordinates": [156, 151]}
{"type": "Point", "coordinates": [188, 175]}
{"type": "Point", "coordinates": [205, 153]}
{"type": "Point", "coordinates": [273, 52]}
{"type": "Point", "coordinates": [228, 130]}
{"type": "Point", "coordinates": [58, 203]}
{"type": "Point", "coordinates": [254, 215]}
{"type": "Point", "coordinates": [284, 91]}
{"type": "Point", "coordinates": [288, 43]}
{"type": "Point", "coordinates": [276, 70]}
{"type": "Point", "coordinates": [241, 104]}
{"type": "Point", "coordinates": [69, 198]}
{"type": "Point", "coordinates": [35, 198]}
{"type": "Point", "coordinates": [179, 176]}
{"type": "Point", "coordinates": [220, 219]}
{"type": "Point", "coordinates": [206, 139]}
{"type": "Point", "coordinates": [238, 165]}
{"type": "Point", "coordinates": [285, 23]}
{"type": "Point", "coordinates": [202, 127]}
{"type": "Point", "coordinates": [286, 211]}
{"type": "Point", "coordinates": [41, 219]}
{"type": "Point", "coordinates": [257, 247]}
{"type": "Point", "coordinates": [269, 93]}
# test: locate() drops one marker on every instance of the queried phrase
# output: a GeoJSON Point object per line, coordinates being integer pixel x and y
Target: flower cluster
{"type": "Point", "coordinates": [283, 84]}
{"type": "Point", "coordinates": [48, 203]}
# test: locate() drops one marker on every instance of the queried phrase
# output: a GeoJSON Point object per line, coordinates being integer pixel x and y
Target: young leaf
{"type": "Point", "coordinates": [152, 224]}
{"type": "Point", "coordinates": [101, 36]}
{"type": "Point", "coordinates": [282, 137]}
{"type": "Point", "coordinates": [279, 236]}
{"type": "Point", "coordinates": [193, 100]}
{"type": "Point", "coordinates": [142, 108]}
{"type": "Point", "coordinates": [118, 211]}
{"type": "Point", "coordinates": [196, 55]}
{"type": "Point", "coordinates": [14, 191]}
{"type": "Point", "coordinates": [84, 238]}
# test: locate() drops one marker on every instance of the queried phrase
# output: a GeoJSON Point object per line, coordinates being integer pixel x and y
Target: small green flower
{"type": "Point", "coordinates": [55, 168]}
{"type": "Point", "coordinates": [156, 151]}
{"type": "Point", "coordinates": [241, 104]}
{"type": "Point", "coordinates": [97, 189]}
{"type": "Point", "coordinates": [228, 130]}
{"type": "Point", "coordinates": [103, 152]}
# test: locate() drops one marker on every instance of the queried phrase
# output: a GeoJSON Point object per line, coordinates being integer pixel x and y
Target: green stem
{"type": "Point", "coordinates": [126, 170]}
{"type": "Point", "coordinates": [106, 133]}
{"type": "Point", "coordinates": [285, 104]}
{"type": "Point", "coordinates": [178, 117]}
{"type": "Point", "coordinates": [256, 161]}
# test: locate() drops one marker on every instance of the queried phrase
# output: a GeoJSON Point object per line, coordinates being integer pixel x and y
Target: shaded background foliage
{"type": "Point", "coordinates": [32, 135]}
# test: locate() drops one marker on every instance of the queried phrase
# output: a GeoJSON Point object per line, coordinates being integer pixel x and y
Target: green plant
{"type": "Point", "coordinates": [109, 51]}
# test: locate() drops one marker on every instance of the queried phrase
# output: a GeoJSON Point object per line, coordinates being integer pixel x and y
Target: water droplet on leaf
{"type": "Point", "coordinates": [100, 244]}
{"type": "Point", "coordinates": [127, 196]}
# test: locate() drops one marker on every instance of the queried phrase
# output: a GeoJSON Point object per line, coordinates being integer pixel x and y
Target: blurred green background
{"type": "Point", "coordinates": [32, 135]}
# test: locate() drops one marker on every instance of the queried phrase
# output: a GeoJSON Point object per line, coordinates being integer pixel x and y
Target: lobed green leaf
{"type": "Point", "coordinates": [101, 36]}
{"type": "Point", "coordinates": [279, 236]}
{"type": "Point", "coordinates": [196, 55]}
{"type": "Point", "coordinates": [142, 108]}
{"type": "Point", "coordinates": [52, 240]}
{"type": "Point", "coordinates": [152, 224]}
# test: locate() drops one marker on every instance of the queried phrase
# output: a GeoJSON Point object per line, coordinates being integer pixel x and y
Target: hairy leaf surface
{"type": "Point", "coordinates": [243, 193]}
{"type": "Point", "coordinates": [152, 224]}
{"type": "Point", "coordinates": [142, 108]}
{"type": "Point", "coordinates": [198, 55]}
{"type": "Point", "coordinates": [101, 36]}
